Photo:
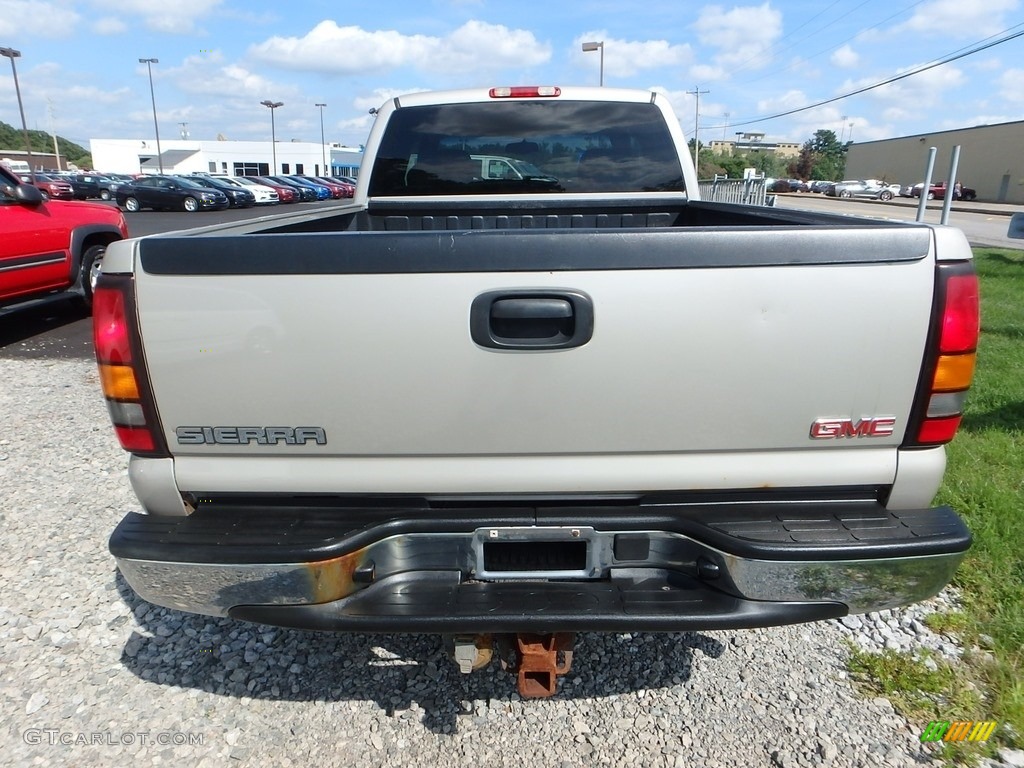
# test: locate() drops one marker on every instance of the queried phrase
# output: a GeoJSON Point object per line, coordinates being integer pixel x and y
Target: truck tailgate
{"type": "Point", "coordinates": [712, 354]}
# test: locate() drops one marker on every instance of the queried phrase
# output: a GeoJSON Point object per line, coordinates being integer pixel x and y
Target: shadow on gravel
{"type": "Point", "coordinates": [54, 327]}
{"type": "Point", "coordinates": [396, 672]}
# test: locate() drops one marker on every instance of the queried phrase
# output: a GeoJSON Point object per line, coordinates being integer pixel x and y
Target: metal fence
{"type": "Point", "coordinates": [745, 191]}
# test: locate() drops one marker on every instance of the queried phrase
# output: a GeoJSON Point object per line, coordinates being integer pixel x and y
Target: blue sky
{"type": "Point", "coordinates": [79, 71]}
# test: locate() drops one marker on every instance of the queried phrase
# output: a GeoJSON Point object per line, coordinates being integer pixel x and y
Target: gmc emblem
{"type": "Point", "coordinates": [834, 429]}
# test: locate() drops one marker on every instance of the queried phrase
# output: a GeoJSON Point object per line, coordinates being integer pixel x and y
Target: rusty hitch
{"type": "Point", "coordinates": [540, 660]}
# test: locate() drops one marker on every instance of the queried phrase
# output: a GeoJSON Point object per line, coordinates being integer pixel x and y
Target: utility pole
{"type": "Point", "coordinates": [696, 119]}
{"type": "Point", "coordinates": [184, 130]}
{"type": "Point", "coordinates": [842, 129]}
{"type": "Point", "coordinates": [53, 133]}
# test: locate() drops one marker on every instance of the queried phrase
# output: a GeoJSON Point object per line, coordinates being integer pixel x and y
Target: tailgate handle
{"type": "Point", "coordinates": [532, 319]}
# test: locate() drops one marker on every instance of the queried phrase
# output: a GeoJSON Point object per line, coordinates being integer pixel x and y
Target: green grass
{"type": "Point", "coordinates": [984, 482]}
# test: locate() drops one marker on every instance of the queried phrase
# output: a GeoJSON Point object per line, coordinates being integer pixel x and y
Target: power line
{"type": "Point", "coordinates": [916, 71]}
{"type": "Point", "coordinates": [814, 55]}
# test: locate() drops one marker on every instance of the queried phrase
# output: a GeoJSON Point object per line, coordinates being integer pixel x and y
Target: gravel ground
{"type": "Point", "coordinates": [95, 676]}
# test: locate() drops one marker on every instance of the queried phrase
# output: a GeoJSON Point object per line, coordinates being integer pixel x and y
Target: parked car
{"type": "Point", "coordinates": [337, 191]}
{"type": "Point", "coordinates": [168, 193]}
{"type": "Point", "coordinates": [835, 188]}
{"type": "Point", "coordinates": [285, 192]}
{"type": "Point", "coordinates": [305, 194]}
{"type": "Point", "coordinates": [339, 188]}
{"type": "Point", "coordinates": [819, 186]}
{"type": "Point", "coordinates": [937, 191]}
{"type": "Point", "coordinates": [322, 192]}
{"type": "Point", "coordinates": [91, 185]}
{"type": "Point", "coordinates": [796, 185]}
{"type": "Point", "coordinates": [264, 195]}
{"type": "Point", "coordinates": [238, 197]}
{"type": "Point", "coordinates": [50, 186]}
{"type": "Point", "coordinates": [872, 189]}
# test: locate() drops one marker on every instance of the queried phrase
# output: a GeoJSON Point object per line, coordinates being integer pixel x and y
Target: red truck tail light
{"type": "Point", "coordinates": [523, 92]}
{"type": "Point", "coordinates": [949, 363]}
{"type": "Point", "coordinates": [122, 372]}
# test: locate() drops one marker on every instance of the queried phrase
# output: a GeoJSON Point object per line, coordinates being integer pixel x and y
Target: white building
{"type": "Point", "coordinates": [235, 158]}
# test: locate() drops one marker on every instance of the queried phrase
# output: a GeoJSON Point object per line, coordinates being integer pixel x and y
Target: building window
{"type": "Point", "coordinates": [224, 167]}
{"type": "Point", "coordinates": [299, 169]}
{"type": "Point", "coordinates": [213, 167]}
{"type": "Point", "coordinates": [284, 168]}
{"type": "Point", "coordinates": [251, 169]}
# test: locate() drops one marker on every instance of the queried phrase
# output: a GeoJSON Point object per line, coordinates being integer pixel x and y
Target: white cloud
{"type": "Point", "coordinates": [705, 73]}
{"type": "Point", "coordinates": [924, 89]}
{"type": "Point", "coordinates": [792, 99]}
{"type": "Point", "coordinates": [625, 58]}
{"type": "Point", "coordinates": [21, 18]}
{"type": "Point", "coordinates": [989, 65]}
{"type": "Point", "coordinates": [472, 47]}
{"type": "Point", "coordinates": [209, 74]}
{"type": "Point", "coordinates": [94, 95]}
{"type": "Point", "coordinates": [957, 18]}
{"type": "Point", "coordinates": [897, 114]}
{"type": "Point", "coordinates": [1011, 85]}
{"type": "Point", "coordinates": [176, 18]}
{"type": "Point", "coordinates": [379, 96]}
{"type": "Point", "coordinates": [845, 58]}
{"type": "Point", "coordinates": [742, 35]}
{"type": "Point", "coordinates": [109, 26]}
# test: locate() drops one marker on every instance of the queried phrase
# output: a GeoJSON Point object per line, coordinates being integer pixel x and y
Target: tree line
{"type": "Point", "coordinates": [822, 157]}
{"type": "Point", "coordinates": [13, 140]}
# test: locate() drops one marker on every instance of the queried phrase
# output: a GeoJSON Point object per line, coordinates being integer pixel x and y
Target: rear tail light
{"type": "Point", "coordinates": [122, 372]}
{"type": "Point", "coordinates": [524, 92]}
{"type": "Point", "coordinates": [949, 363]}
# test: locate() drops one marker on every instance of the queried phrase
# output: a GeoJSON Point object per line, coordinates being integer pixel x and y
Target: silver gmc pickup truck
{"type": "Point", "coordinates": [509, 408]}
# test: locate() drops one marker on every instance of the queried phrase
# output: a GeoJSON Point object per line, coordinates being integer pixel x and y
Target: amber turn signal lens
{"type": "Point", "coordinates": [119, 382]}
{"type": "Point", "coordinates": [953, 372]}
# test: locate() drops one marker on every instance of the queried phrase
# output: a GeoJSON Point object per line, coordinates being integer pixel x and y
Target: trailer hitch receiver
{"type": "Point", "coordinates": [541, 659]}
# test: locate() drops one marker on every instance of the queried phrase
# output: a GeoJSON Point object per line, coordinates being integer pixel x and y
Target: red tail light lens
{"type": "Point", "coordinates": [524, 92]}
{"type": "Point", "coordinates": [949, 364]}
{"type": "Point", "coordinates": [961, 318]}
{"type": "Point", "coordinates": [122, 374]}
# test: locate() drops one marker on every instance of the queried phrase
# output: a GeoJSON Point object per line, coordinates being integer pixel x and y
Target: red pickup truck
{"type": "Point", "coordinates": [50, 246]}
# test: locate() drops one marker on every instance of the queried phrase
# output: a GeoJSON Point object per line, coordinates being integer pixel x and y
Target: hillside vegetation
{"type": "Point", "coordinates": [12, 138]}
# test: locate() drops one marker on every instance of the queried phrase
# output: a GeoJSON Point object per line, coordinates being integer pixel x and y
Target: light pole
{"type": "Point", "coordinates": [159, 155]}
{"type": "Point", "coordinates": [12, 54]}
{"type": "Point", "coordinates": [597, 46]}
{"type": "Point", "coordinates": [272, 105]}
{"type": "Point", "coordinates": [323, 144]}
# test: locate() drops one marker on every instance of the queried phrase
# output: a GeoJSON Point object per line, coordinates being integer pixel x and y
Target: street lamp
{"type": "Point", "coordinates": [323, 144]}
{"type": "Point", "coordinates": [597, 46]}
{"type": "Point", "coordinates": [12, 54]}
{"type": "Point", "coordinates": [273, 136]}
{"type": "Point", "coordinates": [149, 65]}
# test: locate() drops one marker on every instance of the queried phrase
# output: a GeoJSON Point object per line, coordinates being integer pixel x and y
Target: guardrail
{"type": "Point", "coordinates": [745, 191]}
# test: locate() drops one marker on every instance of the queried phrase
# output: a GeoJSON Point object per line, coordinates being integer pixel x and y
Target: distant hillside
{"type": "Point", "coordinates": [13, 138]}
